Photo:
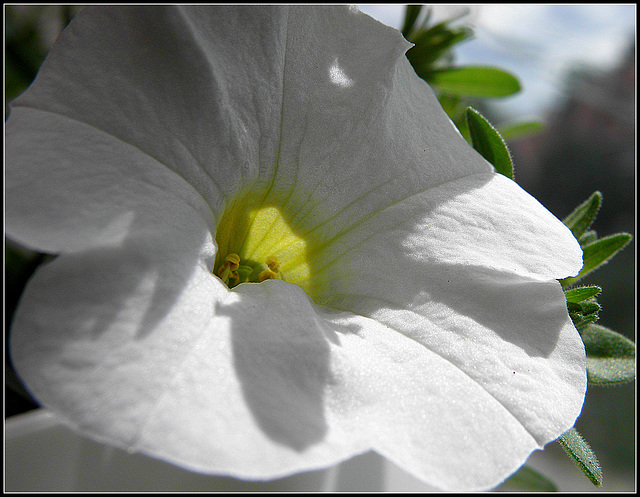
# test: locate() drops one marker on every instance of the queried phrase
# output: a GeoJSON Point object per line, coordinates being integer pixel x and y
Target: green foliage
{"type": "Point", "coordinates": [582, 305]}
{"type": "Point", "coordinates": [473, 81]}
{"type": "Point", "coordinates": [580, 452]}
{"type": "Point", "coordinates": [520, 130]}
{"type": "Point", "coordinates": [412, 13]}
{"type": "Point", "coordinates": [432, 59]}
{"type": "Point", "coordinates": [583, 313]}
{"type": "Point", "coordinates": [431, 43]}
{"type": "Point", "coordinates": [597, 253]}
{"type": "Point", "coordinates": [588, 238]}
{"type": "Point", "coordinates": [488, 142]}
{"type": "Point", "coordinates": [611, 356]}
{"type": "Point", "coordinates": [582, 293]}
{"type": "Point", "coordinates": [582, 217]}
{"type": "Point", "coordinates": [455, 107]}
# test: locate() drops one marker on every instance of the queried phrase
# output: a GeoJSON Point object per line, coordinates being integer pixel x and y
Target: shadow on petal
{"type": "Point", "coordinates": [93, 315]}
{"type": "Point", "coordinates": [281, 356]}
{"type": "Point", "coordinates": [461, 274]}
{"type": "Point", "coordinates": [528, 314]}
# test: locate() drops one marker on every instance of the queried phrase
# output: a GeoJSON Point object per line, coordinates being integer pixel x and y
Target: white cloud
{"type": "Point", "coordinates": [391, 15]}
{"type": "Point", "coordinates": [593, 34]}
{"type": "Point", "coordinates": [538, 43]}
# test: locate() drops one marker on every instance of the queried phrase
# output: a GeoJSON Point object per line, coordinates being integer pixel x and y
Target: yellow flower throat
{"type": "Point", "coordinates": [256, 244]}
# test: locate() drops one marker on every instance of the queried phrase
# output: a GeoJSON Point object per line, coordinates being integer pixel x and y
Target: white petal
{"type": "Point", "coordinates": [482, 223]}
{"type": "Point", "coordinates": [452, 354]}
{"type": "Point", "coordinates": [271, 120]}
{"type": "Point", "coordinates": [71, 186]}
{"type": "Point", "coordinates": [99, 332]}
{"type": "Point", "coordinates": [147, 77]}
{"type": "Point", "coordinates": [460, 415]}
{"type": "Point", "coordinates": [183, 375]}
{"type": "Point", "coordinates": [189, 87]}
{"type": "Point", "coordinates": [308, 387]}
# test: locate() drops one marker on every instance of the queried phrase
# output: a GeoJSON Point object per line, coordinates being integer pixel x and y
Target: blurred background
{"type": "Point", "coordinates": [576, 64]}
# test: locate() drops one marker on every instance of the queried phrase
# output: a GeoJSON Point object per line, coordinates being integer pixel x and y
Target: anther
{"type": "Point", "coordinates": [273, 263]}
{"type": "Point", "coordinates": [267, 274]}
{"type": "Point", "coordinates": [228, 269]}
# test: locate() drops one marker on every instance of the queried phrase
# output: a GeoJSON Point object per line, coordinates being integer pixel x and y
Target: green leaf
{"type": "Point", "coordinates": [526, 479]}
{"type": "Point", "coordinates": [598, 253]}
{"type": "Point", "coordinates": [521, 130]}
{"type": "Point", "coordinates": [582, 293]}
{"type": "Point", "coordinates": [583, 313]}
{"type": "Point", "coordinates": [573, 307]}
{"type": "Point", "coordinates": [433, 43]}
{"type": "Point", "coordinates": [588, 238]}
{"type": "Point", "coordinates": [611, 357]}
{"type": "Point", "coordinates": [486, 140]}
{"type": "Point", "coordinates": [582, 217]}
{"type": "Point", "coordinates": [411, 14]}
{"type": "Point", "coordinates": [581, 322]}
{"type": "Point", "coordinates": [581, 454]}
{"type": "Point", "coordinates": [588, 308]}
{"type": "Point", "coordinates": [473, 81]}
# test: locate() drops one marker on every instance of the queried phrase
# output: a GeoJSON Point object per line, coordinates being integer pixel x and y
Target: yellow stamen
{"type": "Point", "coordinates": [233, 260]}
{"type": "Point", "coordinates": [267, 274]}
{"type": "Point", "coordinates": [273, 263]}
{"type": "Point", "coordinates": [257, 243]}
{"type": "Point", "coordinates": [228, 270]}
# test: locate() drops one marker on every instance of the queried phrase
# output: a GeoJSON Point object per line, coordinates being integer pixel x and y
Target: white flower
{"type": "Point", "coordinates": [410, 302]}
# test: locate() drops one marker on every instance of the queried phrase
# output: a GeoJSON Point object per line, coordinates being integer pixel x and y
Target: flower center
{"type": "Point", "coordinates": [256, 244]}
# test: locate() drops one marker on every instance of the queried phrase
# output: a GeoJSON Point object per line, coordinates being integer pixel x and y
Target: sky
{"type": "Point", "coordinates": [537, 43]}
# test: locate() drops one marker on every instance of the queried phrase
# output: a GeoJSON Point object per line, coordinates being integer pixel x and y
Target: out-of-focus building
{"type": "Point", "coordinates": [588, 145]}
